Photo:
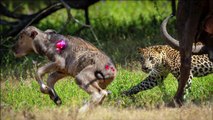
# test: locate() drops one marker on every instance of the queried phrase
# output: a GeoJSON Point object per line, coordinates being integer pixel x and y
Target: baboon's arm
{"type": "Point", "coordinates": [52, 66]}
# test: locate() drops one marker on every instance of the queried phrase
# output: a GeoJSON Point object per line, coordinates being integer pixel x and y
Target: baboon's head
{"type": "Point", "coordinates": [24, 45]}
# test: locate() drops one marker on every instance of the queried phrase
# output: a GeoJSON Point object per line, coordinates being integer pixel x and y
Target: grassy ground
{"type": "Point", "coordinates": [121, 27]}
{"type": "Point", "coordinates": [23, 99]}
{"type": "Point", "coordinates": [189, 112]}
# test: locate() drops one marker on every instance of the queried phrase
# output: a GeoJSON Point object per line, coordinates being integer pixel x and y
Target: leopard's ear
{"type": "Point", "coordinates": [139, 50]}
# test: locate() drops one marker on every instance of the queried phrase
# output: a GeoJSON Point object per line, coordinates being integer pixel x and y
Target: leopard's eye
{"type": "Point", "coordinates": [151, 58]}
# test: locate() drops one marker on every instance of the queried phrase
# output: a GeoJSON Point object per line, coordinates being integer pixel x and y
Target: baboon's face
{"type": "Point", "coordinates": [24, 45]}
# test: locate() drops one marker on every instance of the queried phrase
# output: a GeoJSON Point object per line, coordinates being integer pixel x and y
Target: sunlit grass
{"type": "Point", "coordinates": [24, 94]}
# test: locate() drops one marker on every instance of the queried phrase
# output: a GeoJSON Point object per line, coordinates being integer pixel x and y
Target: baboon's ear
{"type": "Point", "coordinates": [33, 34]}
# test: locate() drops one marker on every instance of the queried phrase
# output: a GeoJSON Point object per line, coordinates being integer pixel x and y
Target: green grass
{"type": "Point", "coordinates": [26, 94]}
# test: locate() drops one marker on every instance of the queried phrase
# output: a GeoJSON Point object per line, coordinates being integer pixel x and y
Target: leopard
{"type": "Point", "coordinates": [160, 60]}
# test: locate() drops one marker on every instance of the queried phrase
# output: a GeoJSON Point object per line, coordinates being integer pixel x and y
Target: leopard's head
{"type": "Point", "coordinates": [151, 58]}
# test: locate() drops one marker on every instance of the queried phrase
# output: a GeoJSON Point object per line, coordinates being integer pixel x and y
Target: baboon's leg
{"type": "Point", "coordinates": [41, 71]}
{"type": "Point", "coordinates": [88, 82]}
{"type": "Point", "coordinates": [52, 79]}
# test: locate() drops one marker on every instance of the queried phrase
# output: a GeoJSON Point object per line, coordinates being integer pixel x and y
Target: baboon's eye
{"type": "Point", "coordinates": [20, 42]}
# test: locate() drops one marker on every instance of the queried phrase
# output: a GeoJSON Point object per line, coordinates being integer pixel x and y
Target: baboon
{"type": "Point", "coordinates": [92, 69]}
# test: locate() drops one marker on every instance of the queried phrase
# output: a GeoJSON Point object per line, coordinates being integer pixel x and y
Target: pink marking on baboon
{"type": "Point", "coordinates": [60, 45]}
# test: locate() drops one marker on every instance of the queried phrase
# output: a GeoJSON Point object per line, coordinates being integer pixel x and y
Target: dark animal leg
{"type": "Point", "coordinates": [52, 79]}
{"type": "Point", "coordinates": [189, 33]}
{"type": "Point", "coordinates": [41, 71]}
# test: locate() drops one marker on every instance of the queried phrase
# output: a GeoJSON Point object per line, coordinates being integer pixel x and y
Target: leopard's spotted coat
{"type": "Point", "coordinates": [160, 60]}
